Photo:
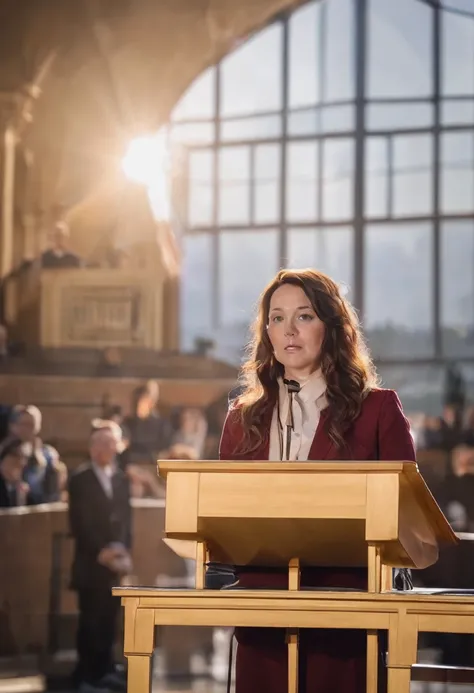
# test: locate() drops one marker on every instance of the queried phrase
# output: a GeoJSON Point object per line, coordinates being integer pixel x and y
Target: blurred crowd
{"type": "Point", "coordinates": [32, 471]}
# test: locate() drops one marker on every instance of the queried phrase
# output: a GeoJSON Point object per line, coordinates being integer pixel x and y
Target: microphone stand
{"type": "Point", "coordinates": [293, 388]}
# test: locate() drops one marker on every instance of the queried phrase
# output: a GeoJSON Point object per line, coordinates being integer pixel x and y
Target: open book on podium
{"type": "Point", "coordinates": [290, 514]}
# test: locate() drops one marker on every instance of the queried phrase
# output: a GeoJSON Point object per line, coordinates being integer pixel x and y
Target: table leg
{"type": "Point", "coordinates": [293, 637]}
{"type": "Point", "coordinates": [372, 661]}
{"type": "Point", "coordinates": [402, 651]}
{"type": "Point", "coordinates": [399, 680]}
{"type": "Point", "coordinates": [374, 585]}
{"type": "Point", "coordinates": [200, 565]}
{"type": "Point", "coordinates": [139, 640]}
{"type": "Point", "coordinates": [139, 674]}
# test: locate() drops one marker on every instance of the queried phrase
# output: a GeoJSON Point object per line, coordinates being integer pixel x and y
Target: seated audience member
{"type": "Point", "coordinates": [5, 413]}
{"type": "Point", "coordinates": [114, 412]}
{"type": "Point", "coordinates": [467, 433]}
{"type": "Point", "coordinates": [58, 256]}
{"type": "Point", "coordinates": [44, 472]}
{"type": "Point", "coordinates": [3, 342]}
{"type": "Point", "coordinates": [432, 435]}
{"type": "Point", "coordinates": [149, 432]}
{"type": "Point", "coordinates": [192, 430]}
{"type": "Point", "coordinates": [179, 452]}
{"type": "Point", "coordinates": [455, 567]}
{"type": "Point", "coordinates": [216, 415]}
{"type": "Point", "coordinates": [13, 490]}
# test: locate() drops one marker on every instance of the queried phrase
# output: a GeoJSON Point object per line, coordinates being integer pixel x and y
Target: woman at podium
{"type": "Point", "coordinates": [310, 393]}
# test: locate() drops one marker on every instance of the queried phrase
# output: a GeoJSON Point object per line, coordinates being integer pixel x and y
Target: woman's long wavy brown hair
{"type": "Point", "coordinates": [345, 361]}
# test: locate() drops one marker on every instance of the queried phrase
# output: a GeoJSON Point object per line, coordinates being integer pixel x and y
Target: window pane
{"type": "Point", "coordinates": [457, 112]}
{"type": "Point", "coordinates": [376, 177]}
{"type": "Point", "coordinates": [463, 5]}
{"type": "Point", "coordinates": [250, 252]}
{"type": "Point", "coordinates": [412, 181]}
{"type": "Point", "coordinates": [304, 27]}
{"type": "Point", "coordinates": [199, 100]}
{"type": "Point", "coordinates": [192, 133]}
{"type": "Point", "coordinates": [337, 118]}
{"type": "Point", "coordinates": [201, 192]}
{"type": "Point", "coordinates": [263, 127]}
{"type": "Point", "coordinates": [251, 76]}
{"type": "Point", "coordinates": [457, 173]}
{"type": "Point", "coordinates": [267, 183]}
{"type": "Point", "coordinates": [457, 288]}
{"type": "Point", "coordinates": [398, 290]}
{"type": "Point", "coordinates": [301, 193]}
{"type": "Point", "coordinates": [234, 181]}
{"type": "Point", "coordinates": [196, 288]}
{"type": "Point", "coordinates": [322, 53]}
{"type": "Point", "coordinates": [329, 250]}
{"type": "Point", "coordinates": [399, 115]}
{"type": "Point", "coordinates": [338, 185]}
{"type": "Point", "coordinates": [420, 387]}
{"type": "Point", "coordinates": [399, 48]}
{"type": "Point", "coordinates": [320, 120]}
{"type": "Point", "coordinates": [339, 42]}
{"type": "Point", "coordinates": [458, 54]}
{"type": "Point", "coordinates": [305, 122]}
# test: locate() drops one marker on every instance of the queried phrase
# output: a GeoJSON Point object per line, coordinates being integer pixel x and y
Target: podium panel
{"type": "Point", "coordinates": [324, 513]}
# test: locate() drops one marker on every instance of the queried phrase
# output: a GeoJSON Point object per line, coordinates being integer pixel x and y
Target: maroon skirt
{"type": "Point", "coordinates": [330, 661]}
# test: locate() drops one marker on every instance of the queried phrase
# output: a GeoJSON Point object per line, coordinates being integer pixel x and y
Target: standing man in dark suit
{"type": "Point", "coordinates": [100, 521]}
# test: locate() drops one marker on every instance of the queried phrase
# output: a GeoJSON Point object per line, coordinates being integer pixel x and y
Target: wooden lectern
{"type": "Point", "coordinates": [379, 515]}
{"type": "Point", "coordinates": [375, 514]}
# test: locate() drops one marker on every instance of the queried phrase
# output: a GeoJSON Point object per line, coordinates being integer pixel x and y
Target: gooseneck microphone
{"type": "Point", "coordinates": [293, 387]}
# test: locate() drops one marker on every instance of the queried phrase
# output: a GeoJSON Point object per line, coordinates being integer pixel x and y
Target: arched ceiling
{"type": "Point", "coordinates": [108, 70]}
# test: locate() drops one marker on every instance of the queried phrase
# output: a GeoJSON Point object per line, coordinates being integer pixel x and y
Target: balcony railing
{"type": "Point", "coordinates": [100, 308]}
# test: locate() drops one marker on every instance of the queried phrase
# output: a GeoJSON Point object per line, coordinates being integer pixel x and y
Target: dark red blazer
{"type": "Point", "coordinates": [380, 432]}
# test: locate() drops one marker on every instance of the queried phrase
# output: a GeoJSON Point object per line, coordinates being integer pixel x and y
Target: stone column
{"type": "Point", "coordinates": [8, 190]}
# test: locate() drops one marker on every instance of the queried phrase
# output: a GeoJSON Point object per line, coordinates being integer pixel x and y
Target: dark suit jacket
{"type": "Point", "coordinates": [381, 432]}
{"type": "Point", "coordinates": [96, 521]}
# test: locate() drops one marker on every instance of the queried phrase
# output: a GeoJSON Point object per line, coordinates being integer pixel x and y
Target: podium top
{"type": "Point", "coordinates": [167, 466]}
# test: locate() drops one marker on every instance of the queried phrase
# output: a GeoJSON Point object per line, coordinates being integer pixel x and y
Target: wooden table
{"type": "Point", "coordinates": [402, 614]}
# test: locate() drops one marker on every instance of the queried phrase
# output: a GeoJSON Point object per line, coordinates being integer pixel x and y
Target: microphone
{"type": "Point", "coordinates": [293, 387]}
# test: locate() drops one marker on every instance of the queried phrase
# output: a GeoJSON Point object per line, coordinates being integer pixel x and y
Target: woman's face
{"type": "Point", "coordinates": [295, 331]}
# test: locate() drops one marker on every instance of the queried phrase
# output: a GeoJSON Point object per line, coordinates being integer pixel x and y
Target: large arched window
{"type": "Point", "coordinates": [341, 137]}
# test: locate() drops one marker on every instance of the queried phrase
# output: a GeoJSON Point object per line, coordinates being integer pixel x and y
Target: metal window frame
{"type": "Point", "coordinates": [359, 134]}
